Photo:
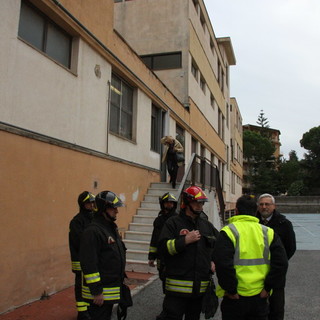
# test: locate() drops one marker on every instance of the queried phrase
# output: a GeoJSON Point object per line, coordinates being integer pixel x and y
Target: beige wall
{"type": "Point", "coordinates": [40, 183]}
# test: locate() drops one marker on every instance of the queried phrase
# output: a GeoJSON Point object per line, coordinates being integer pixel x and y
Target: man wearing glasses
{"type": "Point", "coordinates": [269, 216]}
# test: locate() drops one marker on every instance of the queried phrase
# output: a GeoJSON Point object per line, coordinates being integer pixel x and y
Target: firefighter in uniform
{"type": "Point", "coordinates": [186, 243]}
{"type": "Point", "coordinates": [76, 228]}
{"type": "Point", "coordinates": [168, 205]}
{"type": "Point", "coordinates": [250, 261]}
{"type": "Point", "coordinates": [102, 258]}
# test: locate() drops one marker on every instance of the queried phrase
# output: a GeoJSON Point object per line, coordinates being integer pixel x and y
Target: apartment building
{"type": "Point", "coordinates": [236, 154]}
{"type": "Point", "coordinates": [176, 40]}
{"type": "Point", "coordinates": [81, 110]}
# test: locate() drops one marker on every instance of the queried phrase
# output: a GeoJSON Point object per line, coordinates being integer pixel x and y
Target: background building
{"type": "Point", "coordinates": [80, 110]}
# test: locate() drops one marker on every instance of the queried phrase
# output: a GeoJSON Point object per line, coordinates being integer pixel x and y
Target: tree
{"type": "Point", "coordinates": [262, 120]}
{"type": "Point", "coordinates": [258, 151]}
{"type": "Point", "coordinates": [264, 124]}
{"type": "Point", "coordinates": [311, 162]}
{"type": "Point", "coordinates": [289, 173]}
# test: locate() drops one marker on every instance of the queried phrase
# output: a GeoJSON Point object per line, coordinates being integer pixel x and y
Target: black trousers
{"type": "Point", "coordinates": [173, 167]}
{"type": "Point", "coordinates": [175, 307]}
{"type": "Point", "coordinates": [245, 308]}
{"type": "Point", "coordinates": [276, 304]}
{"type": "Point", "coordinates": [78, 293]}
{"type": "Point", "coordinates": [101, 313]}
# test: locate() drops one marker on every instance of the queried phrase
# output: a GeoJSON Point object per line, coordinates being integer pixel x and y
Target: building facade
{"type": "Point", "coordinates": [81, 110]}
{"type": "Point", "coordinates": [176, 40]}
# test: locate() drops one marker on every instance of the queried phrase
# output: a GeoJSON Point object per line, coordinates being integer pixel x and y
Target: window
{"type": "Point", "coordinates": [43, 34]}
{"type": "Point", "coordinates": [212, 46]}
{"type": "Point", "coordinates": [194, 70]}
{"type": "Point", "coordinates": [203, 21]}
{"type": "Point", "coordinates": [202, 84]}
{"type": "Point", "coordinates": [155, 129]}
{"type": "Point", "coordinates": [212, 100]}
{"type": "Point", "coordinates": [220, 76]}
{"type": "Point", "coordinates": [121, 112]}
{"type": "Point", "coordinates": [163, 61]}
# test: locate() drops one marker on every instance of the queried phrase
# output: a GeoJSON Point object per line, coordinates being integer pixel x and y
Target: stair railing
{"type": "Point", "coordinates": [202, 172]}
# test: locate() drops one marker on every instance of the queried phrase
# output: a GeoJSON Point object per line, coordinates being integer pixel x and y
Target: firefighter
{"type": "Point", "coordinates": [102, 258]}
{"type": "Point", "coordinates": [168, 205]}
{"type": "Point", "coordinates": [186, 243]}
{"type": "Point", "coordinates": [86, 201]}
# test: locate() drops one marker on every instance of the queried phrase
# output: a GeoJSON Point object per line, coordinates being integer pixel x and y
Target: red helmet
{"type": "Point", "coordinates": [193, 194]}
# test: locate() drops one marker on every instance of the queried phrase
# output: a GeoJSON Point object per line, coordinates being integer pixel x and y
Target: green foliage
{"type": "Point", "coordinates": [311, 162]}
{"type": "Point", "coordinates": [297, 188]}
{"type": "Point", "coordinates": [256, 147]}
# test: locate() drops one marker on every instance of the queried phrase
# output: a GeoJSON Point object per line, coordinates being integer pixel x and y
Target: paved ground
{"type": "Point", "coordinates": [302, 291]}
{"type": "Point", "coordinates": [307, 229]}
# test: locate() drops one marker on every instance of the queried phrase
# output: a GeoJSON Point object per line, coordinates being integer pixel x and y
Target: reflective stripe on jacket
{"type": "Point", "coordinates": [184, 286]}
{"type": "Point", "coordinates": [252, 254]}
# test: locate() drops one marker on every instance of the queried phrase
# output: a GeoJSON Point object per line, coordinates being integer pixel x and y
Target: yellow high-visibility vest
{"type": "Point", "coordinates": [251, 241]}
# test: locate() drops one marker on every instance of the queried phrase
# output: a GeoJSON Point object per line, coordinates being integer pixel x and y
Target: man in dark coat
{"type": "Point", "coordinates": [269, 216]}
{"type": "Point", "coordinates": [79, 222]}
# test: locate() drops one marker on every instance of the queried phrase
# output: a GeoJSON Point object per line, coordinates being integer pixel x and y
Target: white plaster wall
{"type": "Point", "coordinates": [138, 151]}
{"type": "Point", "coordinates": [40, 95]}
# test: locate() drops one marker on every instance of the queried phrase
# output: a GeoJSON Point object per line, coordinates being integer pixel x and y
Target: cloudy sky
{"type": "Point", "coordinates": [277, 48]}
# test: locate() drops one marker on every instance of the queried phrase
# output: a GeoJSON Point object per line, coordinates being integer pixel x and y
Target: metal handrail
{"type": "Point", "coordinates": [201, 171]}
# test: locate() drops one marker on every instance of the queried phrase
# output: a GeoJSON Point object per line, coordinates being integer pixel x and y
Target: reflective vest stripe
{"type": "Point", "coordinates": [76, 265]}
{"type": "Point", "coordinates": [92, 277]}
{"type": "Point", "coordinates": [112, 293]}
{"type": "Point", "coordinates": [250, 262]}
{"type": "Point", "coordinates": [171, 247]}
{"type": "Point", "coordinates": [82, 306]}
{"type": "Point", "coordinates": [153, 249]}
{"type": "Point", "coordinates": [184, 286]}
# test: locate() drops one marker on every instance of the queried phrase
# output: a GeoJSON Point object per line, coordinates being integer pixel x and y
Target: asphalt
{"type": "Point", "coordinates": [302, 290]}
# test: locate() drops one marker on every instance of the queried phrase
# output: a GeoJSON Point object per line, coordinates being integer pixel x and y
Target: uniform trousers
{"type": "Point", "coordinates": [81, 305]}
{"type": "Point", "coordinates": [175, 307]}
{"type": "Point", "coordinates": [245, 308]}
{"type": "Point", "coordinates": [276, 304]}
{"type": "Point", "coordinates": [101, 313]}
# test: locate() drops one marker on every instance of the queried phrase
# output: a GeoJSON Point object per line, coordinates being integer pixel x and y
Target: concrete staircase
{"type": "Point", "coordinates": [137, 238]}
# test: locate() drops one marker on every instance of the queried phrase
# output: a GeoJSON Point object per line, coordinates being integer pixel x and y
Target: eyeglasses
{"type": "Point", "coordinates": [265, 204]}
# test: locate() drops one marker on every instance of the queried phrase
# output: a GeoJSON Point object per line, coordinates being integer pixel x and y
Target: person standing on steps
{"type": "Point", "coordinates": [86, 202]}
{"type": "Point", "coordinates": [269, 216]}
{"type": "Point", "coordinates": [172, 147]}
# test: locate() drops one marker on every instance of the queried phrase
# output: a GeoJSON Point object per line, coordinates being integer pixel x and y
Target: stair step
{"type": "Point", "coordinates": [148, 212]}
{"type": "Point", "coordinates": [140, 255]}
{"type": "Point", "coordinates": [143, 219]}
{"type": "Point", "coordinates": [145, 227]}
{"type": "Point", "coordinates": [160, 191]}
{"type": "Point", "coordinates": [150, 204]}
{"type": "Point", "coordinates": [137, 245]}
{"type": "Point", "coordinates": [137, 235]}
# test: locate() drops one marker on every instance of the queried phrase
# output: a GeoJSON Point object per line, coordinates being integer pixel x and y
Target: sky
{"type": "Point", "coordinates": [277, 49]}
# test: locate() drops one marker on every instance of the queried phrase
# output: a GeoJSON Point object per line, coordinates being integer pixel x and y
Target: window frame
{"type": "Point", "coordinates": [47, 27]}
{"type": "Point", "coordinates": [121, 130]}
{"type": "Point", "coordinates": [151, 64]}
{"type": "Point", "coordinates": [155, 136]}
